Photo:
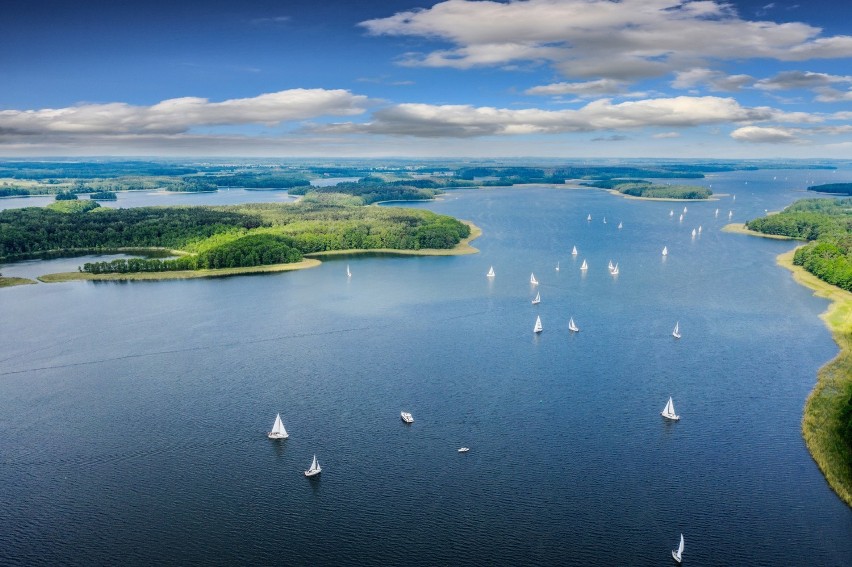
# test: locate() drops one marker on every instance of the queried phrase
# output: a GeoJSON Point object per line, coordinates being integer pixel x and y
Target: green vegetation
{"type": "Point", "coordinates": [103, 196]}
{"type": "Point", "coordinates": [72, 206]}
{"type": "Point", "coordinates": [647, 190]}
{"type": "Point", "coordinates": [827, 223]}
{"type": "Point", "coordinates": [258, 181]}
{"type": "Point", "coordinates": [66, 196]}
{"type": "Point", "coordinates": [372, 190]}
{"type": "Point", "coordinates": [9, 282]}
{"type": "Point", "coordinates": [836, 188]}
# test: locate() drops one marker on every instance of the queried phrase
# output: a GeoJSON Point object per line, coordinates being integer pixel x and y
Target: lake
{"type": "Point", "coordinates": [133, 416]}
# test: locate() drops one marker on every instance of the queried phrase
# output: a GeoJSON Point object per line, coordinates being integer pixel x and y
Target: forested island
{"type": "Point", "coordinates": [647, 190]}
{"type": "Point", "coordinates": [834, 188]}
{"type": "Point", "coordinates": [825, 264]}
{"type": "Point", "coordinates": [223, 237]}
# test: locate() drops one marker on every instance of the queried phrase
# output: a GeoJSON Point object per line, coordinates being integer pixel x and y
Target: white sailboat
{"type": "Point", "coordinates": [677, 555]}
{"type": "Point", "coordinates": [717, 213]}
{"type": "Point", "coordinates": [684, 210]}
{"type": "Point", "coordinates": [315, 468]}
{"type": "Point", "coordinates": [490, 273]}
{"type": "Point", "coordinates": [348, 273]}
{"type": "Point", "coordinates": [278, 431]}
{"type": "Point", "coordinates": [572, 326]}
{"type": "Point", "coordinates": [538, 328]}
{"type": "Point", "coordinates": [406, 417]}
{"type": "Point", "coordinates": [588, 218]}
{"type": "Point", "coordinates": [671, 213]}
{"type": "Point", "coordinates": [665, 250]}
{"type": "Point", "coordinates": [669, 412]}
{"type": "Point", "coordinates": [730, 214]}
{"type": "Point", "coordinates": [619, 225]}
{"type": "Point", "coordinates": [537, 299]}
{"type": "Point", "coordinates": [557, 266]}
{"type": "Point", "coordinates": [680, 219]}
{"type": "Point", "coordinates": [609, 266]}
{"type": "Point", "coordinates": [699, 229]}
{"type": "Point", "coordinates": [574, 251]}
{"type": "Point", "coordinates": [533, 281]}
{"type": "Point", "coordinates": [676, 332]}
{"type": "Point", "coordinates": [585, 266]}
{"type": "Point", "coordinates": [693, 233]}
{"type": "Point", "coordinates": [604, 220]}
{"type": "Point", "coordinates": [614, 270]}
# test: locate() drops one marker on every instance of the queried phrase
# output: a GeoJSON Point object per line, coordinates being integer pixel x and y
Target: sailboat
{"type": "Point", "coordinates": [680, 219]}
{"type": "Point", "coordinates": [614, 270]}
{"type": "Point", "coordinates": [676, 332]}
{"type": "Point", "coordinates": [609, 267]}
{"type": "Point", "coordinates": [538, 328]}
{"type": "Point", "coordinates": [693, 233]}
{"type": "Point", "coordinates": [348, 273]}
{"type": "Point", "coordinates": [665, 250]}
{"type": "Point", "coordinates": [677, 554]}
{"type": "Point", "coordinates": [574, 251]}
{"type": "Point", "coordinates": [572, 326]}
{"type": "Point", "coordinates": [699, 229]}
{"type": "Point", "coordinates": [537, 299]}
{"type": "Point", "coordinates": [589, 217]}
{"type": "Point", "coordinates": [315, 468]}
{"type": "Point", "coordinates": [604, 220]}
{"type": "Point", "coordinates": [533, 281]}
{"type": "Point", "coordinates": [490, 273]}
{"type": "Point", "coordinates": [684, 210]}
{"type": "Point", "coordinates": [619, 225]}
{"type": "Point", "coordinates": [585, 266]}
{"type": "Point", "coordinates": [557, 266]}
{"type": "Point", "coordinates": [717, 213]}
{"type": "Point", "coordinates": [278, 431]}
{"type": "Point", "coordinates": [406, 417]}
{"type": "Point", "coordinates": [671, 213]}
{"type": "Point", "coordinates": [730, 214]}
{"type": "Point", "coordinates": [669, 412]}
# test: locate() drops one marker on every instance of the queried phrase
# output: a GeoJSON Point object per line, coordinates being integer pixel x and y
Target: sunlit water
{"type": "Point", "coordinates": [133, 416]}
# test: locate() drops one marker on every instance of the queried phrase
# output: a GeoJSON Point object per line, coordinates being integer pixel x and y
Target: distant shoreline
{"type": "Point", "coordinates": [715, 197]}
{"type": "Point", "coordinates": [13, 281]}
{"type": "Point", "coordinates": [740, 228]}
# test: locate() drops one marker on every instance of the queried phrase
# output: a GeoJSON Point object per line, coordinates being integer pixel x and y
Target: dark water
{"type": "Point", "coordinates": [133, 416]}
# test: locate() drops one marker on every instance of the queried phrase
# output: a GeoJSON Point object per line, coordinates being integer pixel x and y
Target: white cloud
{"type": "Point", "coordinates": [427, 120]}
{"type": "Point", "coordinates": [828, 94]}
{"type": "Point", "coordinates": [765, 135]}
{"type": "Point", "coordinates": [180, 115]}
{"type": "Point", "coordinates": [788, 80]}
{"type": "Point", "coordinates": [622, 40]}
{"type": "Point", "coordinates": [665, 135]}
{"type": "Point", "coordinates": [586, 88]}
{"type": "Point", "coordinates": [714, 80]}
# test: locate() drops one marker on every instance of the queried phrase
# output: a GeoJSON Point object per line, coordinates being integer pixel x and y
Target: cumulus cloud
{"type": "Point", "coordinates": [765, 135]}
{"type": "Point", "coordinates": [427, 120]}
{"type": "Point", "coordinates": [624, 40]}
{"type": "Point", "coordinates": [714, 80]}
{"type": "Point", "coordinates": [582, 89]}
{"type": "Point", "coordinates": [828, 94]}
{"type": "Point", "coordinates": [180, 115]}
{"type": "Point", "coordinates": [788, 80]}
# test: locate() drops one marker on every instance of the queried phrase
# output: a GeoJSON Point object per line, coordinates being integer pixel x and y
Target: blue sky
{"type": "Point", "coordinates": [460, 78]}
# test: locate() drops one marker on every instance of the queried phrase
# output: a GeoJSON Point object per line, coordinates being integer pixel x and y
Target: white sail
{"type": "Point", "coordinates": [671, 213]}
{"type": "Point", "coordinates": [490, 273]}
{"type": "Point", "coordinates": [537, 299]}
{"type": "Point", "coordinates": [278, 431]}
{"type": "Point", "coordinates": [730, 214]}
{"type": "Point", "coordinates": [604, 220]}
{"type": "Point", "coordinates": [610, 266]}
{"type": "Point", "coordinates": [348, 273]}
{"type": "Point", "coordinates": [614, 270]}
{"type": "Point", "coordinates": [693, 233]}
{"type": "Point", "coordinates": [589, 217]}
{"type": "Point", "coordinates": [315, 468]}
{"type": "Point", "coordinates": [717, 212]}
{"type": "Point", "coordinates": [680, 219]}
{"type": "Point", "coordinates": [684, 210]}
{"type": "Point", "coordinates": [619, 225]}
{"type": "Point", "coordinates": [538, 328]}
{"type": "Point", "coordinates": [669, 411]}
{"type": "Point", "coordinates": [585, 266]}
{"type": "Point", "coordinates": [676, 332]}
{"type": "Point", "coordinates": [574, 251]}
{"type": "Point", "coordinates": [573, 326]}
{"type": "Point", "coordinates": [665, 250]}
{"type": "Point", "coordinates": [678, 555]}
{"type": "Point", "coordinates": [557, 266]}
{"type": "Point", "coordinates": [699, 229]}
{"type": "Point", "coordinates": [533, 281]}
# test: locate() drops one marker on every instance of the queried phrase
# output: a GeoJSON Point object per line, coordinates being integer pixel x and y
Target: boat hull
{"type": "Point", "coordinates": [676, 557]}
{"type": "Point", "coordinates": [277, 436]}
{"type": "Point", "coordinates": [671, 417]}
{"type": "Point", "coordinates": [406, 417]}
{"type": "Point", "coordinates": [312, 473]}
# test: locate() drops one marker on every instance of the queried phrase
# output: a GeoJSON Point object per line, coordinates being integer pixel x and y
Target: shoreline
{"type": "Point", "coordinates": [819, 415]}
{"type": "Point", "coordinates": [310, 261]}
{"type": "Point", "coordinates": [740, 228]}
{"type": "Point", "coordinates": [715, 197]}
{"type": "Point", "coordinates": [11, 281]}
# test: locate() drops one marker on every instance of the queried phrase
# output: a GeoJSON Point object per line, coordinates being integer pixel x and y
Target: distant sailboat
{"type": "Point", "coordinates": [678, 554]}
{"type": "Point", "coordinates": [730, 214]}
{"type": "Point", "coordinates": [533, 281]}
{"type": "Point", "coordinates": [717, 213]}
{"type": "Point", "coordinates": [614, 270]}
{"type": "Point", "coordinates": [665, 250]}
{"type": "Point", "coordinates": [676, 332]}
{"type": "Point", "coordinates": [734, 197]}
{"type": "Point", "coordinates": [680, 219]}
{"type": "Point", "coordinates": [684, 210]}
{"type": "Point", "coordinates": [585, 266]}
{"type": "Point", "coordinates": [490, 273]}
{"type": "Point", "coordinates": [572, 326]}
{"type": "Point", "coordinates": [348, 273]}
{"type": "Point", "coordinates": [278, 431]}
{"type": "Point", "coordinates": [609, 266]}
{"type": "Point", "coordinates": [619, 225]}
{"type": "Point", "coordinates": [315, 468]}
{"type": "Point", "coordinates": [574, 251]}
{"type": "Point", "coordinates": [604, 220]}
{"type": "Point", "coordinates": [537, 299]}
{"type": "Point", "coordinates": [693, 233]}
{"type": "Point", "coordinates": [671, 213]}
{"type": "Point", "coordinates": [588, 218]}
{"type": "Point", "coordinates": [538, 328]}
{"type": "Point", "coordinates": [699, 229]}
{"type": "Point", "coordinates": [557, 266]}
{"type": "Point", "coordinates": [669, 412]}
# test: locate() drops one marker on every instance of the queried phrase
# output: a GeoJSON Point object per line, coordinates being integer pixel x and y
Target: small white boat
{"type": "Point", "coordinates": [614, 270]}
{"type": "Point", "coordinates": [619, 225]}
{"type": "Point", "coordinates": [278, 431]}
{"type": "Point", "coordinates": [574, 251]}
{"type": "Point", "coordinates": [537, 299]}
{"type": "Point", "coordinates": [572, 326]}
{"type": "Point", "coordinates": [348, 273]}
{"type": "Point", "coordinates": [315, 468]}
{"type": "Point", "coordinates": [730, 214]}
{"type": "Point", "coordinates": [588, 218]}
{"type": "Point", "coordinates": [676, 332]}
{"type": "Point", "coordinates": [585, 266]}
{"type": "Point", "coordinates": [678, 555]}
{"type": "Point", "coordinates": [490, 273]}
{"type": "Point", "coordinates": [693, 233]}
{"type": "Point", "coordinates": [671, 213]}
{"type": "Point", "coordinates": [684, 210]}
{"type": "Point", "coordinates": [406, 417]}
{"type": "Point", "coordinates": [680, 219]}
{"type": "Point", "coordinates": [604, 220]}
{"type": "Point", "coordinates": [699, 229]}
{"type": "Point", "coordinates": [609, 266]}
{"type": "Point", "coordinates": [538, 328]}
{"type": "Point", "coordinates": [717, 213]}
{"type": "Point", "coordinates": [669, 412]}
{"type": "Point", "coordinates": [464, 449]}
{"type": "Point", "coordinates": [665, 250]}
{"type": "Point", "coordinates": [734, 197]}
{"type": "Point", "coordinates": [557, 266]}
{"type": "Point", "coordinates": [533, 281]}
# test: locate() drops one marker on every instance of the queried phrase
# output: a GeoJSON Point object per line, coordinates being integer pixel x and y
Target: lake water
{"type": "Point", "coordinates": [133, 416]}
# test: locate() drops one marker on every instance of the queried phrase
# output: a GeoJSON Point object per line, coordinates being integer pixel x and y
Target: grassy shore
{"type": "Point", "coordinates": [462, 247]}
{"type": "Point", "coordinates": [821, 423]}
{"type": "Point", "coordinates": [9, 282]}
{"type": "Point", "coordinates": [740, 228]}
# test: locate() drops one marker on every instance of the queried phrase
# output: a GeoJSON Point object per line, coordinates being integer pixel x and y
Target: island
{"type": "Point", "coordinates": [641, 188]}
{"type": "Point", "coordinates": [203, 241]}
{"type": "Point", "coordinates": [833, 188]}
{"type": "Point", "coordinates": [824, 264]}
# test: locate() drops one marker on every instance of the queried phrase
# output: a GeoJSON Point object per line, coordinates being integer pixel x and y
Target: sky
{"type": "Point", "coordinates": [424, 79]}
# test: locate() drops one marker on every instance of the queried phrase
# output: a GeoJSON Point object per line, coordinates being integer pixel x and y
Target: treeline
{"type": "Point", "coordinates": [42, 170]}
{"type": "Point", "coordinates": [374, 189]}
{"type": "Point", "coordinates": [835, 188]}
{"type": "Point", "coordinates": [103, 196]}
{"type": "Point", "coordinates": [643, 188]}
{"type": "Point", "coordinates": [258, 181]}
{"type": "Point", "coordinates": [827, 223]}
{"type": "Point", "coordinates": [515, 175]}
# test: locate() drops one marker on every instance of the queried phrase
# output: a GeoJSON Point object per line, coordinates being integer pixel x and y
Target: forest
{"type": "Point", "coordinates": [827, 225]}
{"type": "Point", "coordinates": [643, 188]}
{"type": "Point", "coordinates": [835, 188]}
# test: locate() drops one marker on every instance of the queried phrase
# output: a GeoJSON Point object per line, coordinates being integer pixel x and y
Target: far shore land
{"type": "Point", "coordinates": [310, 261]}
{"type": "Point", "coordinates": [740, 228]}
{"type": "Point", "coordinates": [10, 282]}
{"type": "Point", "coordinates": [820, 421]}
{"type": "Point", "coordinates": [715, 197]}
